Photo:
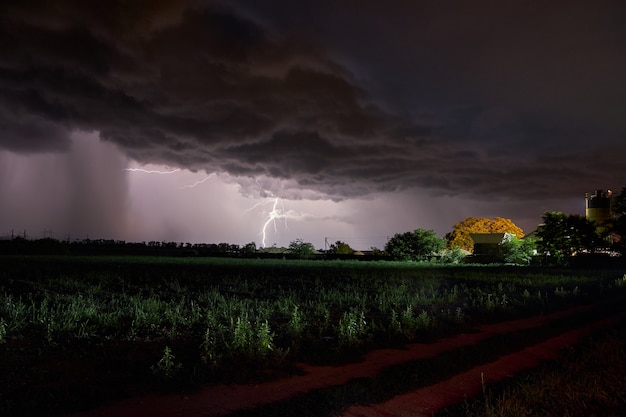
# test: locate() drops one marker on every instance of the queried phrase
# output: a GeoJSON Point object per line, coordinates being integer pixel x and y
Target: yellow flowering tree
{"type": "Point", "coordinates": [460, 235]}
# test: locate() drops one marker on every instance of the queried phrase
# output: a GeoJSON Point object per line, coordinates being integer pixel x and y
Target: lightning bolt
{"type": "Point", "coordinates": [272, 216]}
{"type": "Point", "coordinates": [276, 214]}
{"type": "Point", "coordinates": [152, 171]}
{"type": "Point", "coordinates": [171, 171]}
{"type": "Point", "coordinates": [208, 177]}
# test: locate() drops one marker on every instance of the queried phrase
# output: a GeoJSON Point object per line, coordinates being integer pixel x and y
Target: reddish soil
{"type": "Point", "coordinates": [222, 400]}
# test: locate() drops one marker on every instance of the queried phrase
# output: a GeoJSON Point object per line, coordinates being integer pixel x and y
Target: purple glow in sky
{"type": "Point", "coordinates": [362, 124]}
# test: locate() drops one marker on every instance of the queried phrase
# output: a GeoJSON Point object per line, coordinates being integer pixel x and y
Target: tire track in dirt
{"type": "Point", "coordinates": [222, 400]}
{"type": "Point", "coordinates": [428, 400]}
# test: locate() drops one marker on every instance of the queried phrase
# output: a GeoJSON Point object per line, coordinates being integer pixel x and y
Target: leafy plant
{"type": "Point", "coordinates": [297, 323]}
{"type": "Point", "coordinates": [352, 328]}
{"type": "Point", "coordinates": [395, 324]}
{"type": "Point", "coordinates": [264, 339]}
{"type": "Point", "coordinates": [459, 315]}
{"type": "Point", "coordinates": [210, 353]}
{"type": "Point", "coordinates": [167, 367]}
{"type": "Point", "coordinates": [242, 335]}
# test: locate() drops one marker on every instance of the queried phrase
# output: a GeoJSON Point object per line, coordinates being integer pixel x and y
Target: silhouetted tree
{"type": "Point", "coordinates": [249, 248]}
{"type": "Point", "coordinates": [375, 251]}
{"type": "Point", "coordinates": [418, 245]}
{"type": "Point", "coordinates": [618, 204]}
{"type": "Point", "coordinates": [615, 228]}
{"type": "Point", "coordinates": [562, 236]}
{"type": "Point", "coordinates": [341, 248]}
{"type": "Point", "coordinates": [301, 248]}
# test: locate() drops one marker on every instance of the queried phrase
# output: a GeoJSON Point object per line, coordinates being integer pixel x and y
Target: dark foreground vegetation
{"type": "Point", "coordinates": [586, 380]}
{"type": "Point", "coordinates": [79, 331]}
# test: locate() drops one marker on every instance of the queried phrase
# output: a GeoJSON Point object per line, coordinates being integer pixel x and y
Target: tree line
{"type": "Point", "coordinates": [559, 238]}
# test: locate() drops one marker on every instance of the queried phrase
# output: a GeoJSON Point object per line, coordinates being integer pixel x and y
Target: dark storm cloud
{"type": "Point", "coordinates": [476, 99]}
{"type": "Point", "coordinates": [29, 133]}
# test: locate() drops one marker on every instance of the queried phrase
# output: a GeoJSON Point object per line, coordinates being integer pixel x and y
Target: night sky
{"type": "Point", "coordinates": [201, 121]}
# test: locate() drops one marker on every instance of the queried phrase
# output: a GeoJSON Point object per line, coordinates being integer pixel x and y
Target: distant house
{"type": "Point", "coordinates": [488, 244]}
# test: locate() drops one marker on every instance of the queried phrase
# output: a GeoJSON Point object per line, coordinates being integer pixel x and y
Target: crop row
{"type": "Point", "coordinates": [326, 313]}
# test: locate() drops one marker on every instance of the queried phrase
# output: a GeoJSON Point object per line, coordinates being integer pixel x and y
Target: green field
{"type": "Point", "coordinates": [75, 331]}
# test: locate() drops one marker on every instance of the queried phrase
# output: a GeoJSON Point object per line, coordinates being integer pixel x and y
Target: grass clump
{"type": "Point", "coordinates": [352, 328]}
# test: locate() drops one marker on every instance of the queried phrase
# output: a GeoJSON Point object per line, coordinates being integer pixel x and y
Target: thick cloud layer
{"type": "Point", "coordinates": [506, 99]}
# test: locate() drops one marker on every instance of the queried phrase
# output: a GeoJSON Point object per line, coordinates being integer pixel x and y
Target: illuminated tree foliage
{"type": "Point", "coordinates": [418, 245]}
{"type": "Point", "coordinates": [517, 251]}
{"type": "Point", "coordinates": [460, 235]}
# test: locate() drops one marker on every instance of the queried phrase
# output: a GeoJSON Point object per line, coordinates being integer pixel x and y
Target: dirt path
{"type": "Point", "coordinates": [315, 381]}
{"type": "Point", "coordinates": [426, 401]}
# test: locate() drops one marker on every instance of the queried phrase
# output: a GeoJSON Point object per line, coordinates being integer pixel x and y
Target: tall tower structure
{"type": "Point", "coordinates": [598, 206]}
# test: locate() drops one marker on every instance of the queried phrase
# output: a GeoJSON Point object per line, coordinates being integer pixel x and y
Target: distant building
{"type": "Point", "coordinates": [598, 206]}
{"type": "Point", "coordinates": [488, 244]}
